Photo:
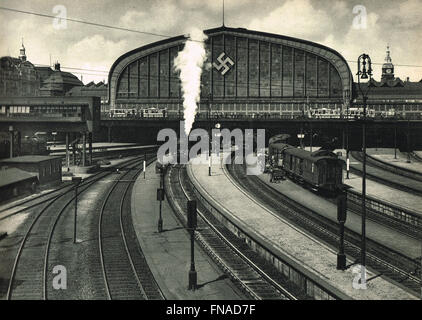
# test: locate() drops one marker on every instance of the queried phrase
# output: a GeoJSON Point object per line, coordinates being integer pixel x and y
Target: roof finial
{"type": "Point", "coordinates": [388, 58]}
{"type": "Point", "coordinates": [22, 54]}
{"type": "Point", "coordinates": [223, 13]}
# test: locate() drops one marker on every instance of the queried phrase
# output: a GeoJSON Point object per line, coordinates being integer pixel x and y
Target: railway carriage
{"type": "Point", "coordinates": [320, 170]}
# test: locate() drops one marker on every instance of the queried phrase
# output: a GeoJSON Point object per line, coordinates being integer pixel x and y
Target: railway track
{"type": "Point", "coordinates": [29, 273]}
{"type": "Point", "coordinates": [33, 202]}
{"type": "Point", "coordinates": [395, 266]}
{"type": "Point", "coordinates": [256, 277]}
{"type": "Point", "coordinates": [415, 157]}
{"type": "Point", "coordinates": [125, 271]}
{"type": "Point", "coordinates": [413, 185]}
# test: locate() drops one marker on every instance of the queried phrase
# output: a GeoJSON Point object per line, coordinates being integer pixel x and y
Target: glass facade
{"type": "Point", "coordinates": [261, 69]}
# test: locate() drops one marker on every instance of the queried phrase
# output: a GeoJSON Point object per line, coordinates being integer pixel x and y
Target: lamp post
{"type": "Point", "coordinates": [300, 136]}
{"type": "Point", "coordinates": [76, 181]}
{"type": "Point", "coordinates": [11, 133]}
{"type": "Point", "coordinates": [311, 135]}
{"type": "Point", "coordinates": [364, 73]}
{"type": "Point", "coordinates": [395, 139]}
{"type": "Point", "coordinates": [160, 197]}
{"type": "Point", "coordinates": [209, 134]}
{"type": "Point", "coordinates": [347, 139]}
{"type": "Point", "coordinates": [341, 218]}
{"type": "Point", "coordinates": [408, 141]}
{"type": "Point", "coordinates": [54, 138]}
{"type": "Point", "coordinates": [192, 222]}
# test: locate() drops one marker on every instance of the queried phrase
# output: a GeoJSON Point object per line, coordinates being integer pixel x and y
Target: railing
{"type": "Point", "coordinates": [385, 209]}
{"type": "Point", "coordinates": [240, 116]}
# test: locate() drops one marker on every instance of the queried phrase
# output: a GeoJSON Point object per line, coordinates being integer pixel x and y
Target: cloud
{"type": "Point", "coordinates": [96, 53]}
{"type": "Point", "coordinates": [397, 22]}
{"type": "Point", "coordinates": [162, 16]}
{"type": "Point", "coordinates": [297, 18]}
{"type": "Point", "coordinates": [406, 15]}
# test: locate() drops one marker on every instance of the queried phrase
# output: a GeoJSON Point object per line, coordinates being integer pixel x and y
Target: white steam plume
{"type": "Point", "coordinates": [189, 62]}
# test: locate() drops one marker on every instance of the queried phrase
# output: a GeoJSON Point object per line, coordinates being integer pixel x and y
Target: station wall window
{"type": "Point", "coordinates": [218, 79]}
{"type": "Point", "coordinates": [230, 76]}
{"type": "Point", "coordinates": [322, 77]}
{"type": "Point", "coordinates": [336, 86]}
{"type": "Point", "coordinates": [299, 76]}
{"type": "Point", "coordinates": [264, 67]}
{"type": "Point", "coordinates": [153, 75]}
{"type": "Point", "coordinates": [253, 68]}
{"type": "Point", "coordinates": [287, 72]}
{"type": "Point", "coordinates": [276, 64]}
{"type": "Point", "coordinates": [164, 73]}
{"type": "Point", "coordinates": [311, 75]}
{"type": "Point", "coordinates": [242, 67]}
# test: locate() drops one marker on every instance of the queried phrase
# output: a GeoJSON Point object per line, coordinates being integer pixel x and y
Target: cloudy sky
{"type": "Point", "coordinates": [339, 24]}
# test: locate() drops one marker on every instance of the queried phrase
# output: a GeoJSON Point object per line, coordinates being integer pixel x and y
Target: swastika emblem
{"type": "Point", "coordinates": [225, 64]}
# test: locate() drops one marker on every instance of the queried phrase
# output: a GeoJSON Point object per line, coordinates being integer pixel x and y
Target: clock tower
{"type": "Point", "coordinates": [387, 68]}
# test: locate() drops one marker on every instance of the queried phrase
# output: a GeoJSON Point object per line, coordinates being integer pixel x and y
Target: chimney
{"type": "Point", "coordinates": [57, 66]}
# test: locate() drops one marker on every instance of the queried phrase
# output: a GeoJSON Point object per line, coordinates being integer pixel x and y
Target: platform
{"type": "Point", "coordinates": [385, 193]}
{"type": "Point", "coordinates": [379, 190]}
{"type": "Point", "coordinates": [316, 257]}
{"type": "Point", "coordinates": [168, 253]}
{"type": "Point", "coordinates": [387, 155]}
{"type": "Point", "coordinates": [374, 231]}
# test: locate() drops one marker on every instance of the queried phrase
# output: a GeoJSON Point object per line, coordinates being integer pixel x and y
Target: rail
{"type": "Point", "coordinates": [295, 274]}
{"type": "Point", "coordinates": [409, 173]}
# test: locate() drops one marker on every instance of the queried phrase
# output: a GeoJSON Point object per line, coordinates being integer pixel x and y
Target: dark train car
{"type": "Point", "coordinates": [321, 170]}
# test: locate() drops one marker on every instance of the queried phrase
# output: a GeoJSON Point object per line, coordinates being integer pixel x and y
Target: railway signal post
{"type": "Point", "coordinates": [160, 197]}
{"type": "Point", "coordinates": [192, 222]}
{"type": "Point", "coordinates": [341, 218]}
{"type": "Point", "coordinates": [209, 135]}
{"type": "Point", "coordinates": [364, 73]}
{"type": "Point", "coordinates": [76, 181]}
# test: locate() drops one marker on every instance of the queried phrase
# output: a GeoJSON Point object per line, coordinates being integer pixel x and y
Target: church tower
{"type": "Point", "coordinates": [22, 54]}
{"type": "Point", "coordinates": [387, 68]}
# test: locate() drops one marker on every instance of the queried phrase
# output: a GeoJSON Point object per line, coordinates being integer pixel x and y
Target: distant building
{"type": "Point", "coordinates": [392, 96]}
{"type": "Point", "coordinates": [47, 168]}
{"type": "Point", "coordinates": [59, 83]}
{"type": "Point", "coordinates": [92, 89]}
{"type": "Point", "coordinates": [18, 77]}
{"type": "Point", "coordinates": [14, 182]}
{"type": "Point", "coordinates": [387, 68]}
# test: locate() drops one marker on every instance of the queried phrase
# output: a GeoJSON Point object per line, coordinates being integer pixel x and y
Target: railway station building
{"type": "Point", "coordinates": [246, 72]}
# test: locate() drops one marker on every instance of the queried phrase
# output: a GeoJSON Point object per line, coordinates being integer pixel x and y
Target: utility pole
{"type": "Point", "coordinates": [408, 141]}
{"type": "Point", "coordinates": [160, 197]}
{"type": "Point", "coordinates": [209, 135]}
{"type": "Point", "coordinates": [76, 181]}
{"type": "Point", "coordinates": [341, 218]}
{"type": "Point", "coordinates": [192, 223]}
{"type": "Point", "coordinates": [364, 74]}
{"type": "Point", "coordinates": [395, 139]}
